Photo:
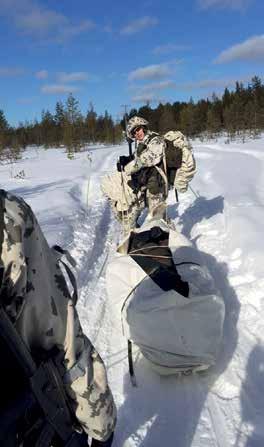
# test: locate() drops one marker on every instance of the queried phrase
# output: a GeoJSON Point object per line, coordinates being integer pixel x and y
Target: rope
{"type": "Point", "coordinates": [158, 256]}
{"type": "Point", "coordinates": [148, 248]}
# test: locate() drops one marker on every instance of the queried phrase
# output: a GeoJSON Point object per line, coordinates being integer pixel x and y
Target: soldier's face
{"type": "Point", "coordinates": [139, 133]}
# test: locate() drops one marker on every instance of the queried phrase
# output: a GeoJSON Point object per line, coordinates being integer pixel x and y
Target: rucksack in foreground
{"type": "Point", "coordinates": [167, 299]}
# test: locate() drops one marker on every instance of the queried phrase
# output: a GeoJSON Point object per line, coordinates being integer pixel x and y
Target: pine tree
{"type": "Point", "coordinates": [47, 129]}
{"type": "Point", "coordinates": [187, 119]}
{"type": "Point", "coordinates": [90, 123]}
{"type": "Point", "coordinates": [214, 116]}
{"type": "Point", "coordinates": [167, 121]}
{"type": "Point", "coordinates": [3, 122]}
{"type": "Point", "coordinates": [59, 121]}
{"type": "Point", "coordinates": [72, 124]}
{"type": "Point", "coordinates": [4, 127]}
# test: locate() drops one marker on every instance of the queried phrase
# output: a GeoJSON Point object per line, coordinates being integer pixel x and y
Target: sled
{"type": "Point", "coordinates": [169, 305]}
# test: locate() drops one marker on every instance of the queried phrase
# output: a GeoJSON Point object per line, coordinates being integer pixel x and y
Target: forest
{"type": "Point", "coordinates": [238, 113]}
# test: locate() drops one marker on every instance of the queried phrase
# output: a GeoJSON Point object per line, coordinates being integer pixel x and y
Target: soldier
{"type": "Point", "coordinates": [143, 179]}
{"type": "Point", "coordinates": [36, 298]}
{"type": "Point", "coordinates": [147, 178]}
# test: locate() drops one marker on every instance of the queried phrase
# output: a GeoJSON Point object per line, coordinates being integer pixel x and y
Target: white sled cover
{"type": "Point", "coordinates": [176, 328]}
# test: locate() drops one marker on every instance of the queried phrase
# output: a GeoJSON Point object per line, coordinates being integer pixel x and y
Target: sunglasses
{"type": "Point", "coordinates": [136, 129]}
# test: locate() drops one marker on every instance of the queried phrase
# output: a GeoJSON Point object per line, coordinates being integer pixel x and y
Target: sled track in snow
{"type": "Point", "coordinates": [92, 244]}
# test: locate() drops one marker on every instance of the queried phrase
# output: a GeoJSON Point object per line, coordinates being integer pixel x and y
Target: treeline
{"type": "Point", "coordinates": [239, 113]}
{"type": "Point", "coordinates": [66, 126]}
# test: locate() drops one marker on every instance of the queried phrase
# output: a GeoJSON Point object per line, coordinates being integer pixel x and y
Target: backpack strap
{"type": "Point", "coordinates": [59, 252]}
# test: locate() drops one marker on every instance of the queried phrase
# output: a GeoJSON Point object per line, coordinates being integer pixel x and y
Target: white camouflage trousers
{"type": "Point", "coordinates": [155, 203]}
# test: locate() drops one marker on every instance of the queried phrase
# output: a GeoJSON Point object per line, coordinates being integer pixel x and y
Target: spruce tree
{"type": "Point", "coordinates": [72, 123]}
{"type": "Point", "coordinates": [90, 124]}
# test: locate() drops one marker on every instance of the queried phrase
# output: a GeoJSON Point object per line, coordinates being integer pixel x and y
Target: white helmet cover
{"type": "Point", "coordinates": [135, 121]}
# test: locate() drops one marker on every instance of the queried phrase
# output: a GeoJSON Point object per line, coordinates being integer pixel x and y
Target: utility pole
{"type": "Point", "coordinates": [125, 106]}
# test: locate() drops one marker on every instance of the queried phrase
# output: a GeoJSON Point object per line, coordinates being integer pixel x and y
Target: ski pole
{"type": "Point", "coordinates": [194, 193]}
{"type": "Point", "coordinates": [88, 181]}
{"type": "Point", "coordinates": [176, 195]}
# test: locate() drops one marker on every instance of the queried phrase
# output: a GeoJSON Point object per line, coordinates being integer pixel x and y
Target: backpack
{"type": "Point", "coordinates": [178, 154]}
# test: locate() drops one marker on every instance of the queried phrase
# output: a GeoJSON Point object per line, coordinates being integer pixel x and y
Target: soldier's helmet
{"type": "Point", "coordinates": [133, 123]}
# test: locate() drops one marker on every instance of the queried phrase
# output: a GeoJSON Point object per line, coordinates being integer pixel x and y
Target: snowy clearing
{"type": "Point", "coordinates": [223, 215]}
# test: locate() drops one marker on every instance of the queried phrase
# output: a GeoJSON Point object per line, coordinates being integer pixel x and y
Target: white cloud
{"type": "Point", "coordinates": [159, 85]}
{"type": "Point", "coordinates": [108, 28]}
{"type": "Point", "coordinates": [71, 31]}
{"type": "Point", "coordinates": [72, 77]}
{"type": "Point", "coordinates": [153, 86]}
{"type": "Point", "coordinates": [54, 89]}
{"type": "Point", "coordinates": [148, 92]}
{"type": "Point", "coordinates": [239, 5]}
{"type": "Point", "coordinates": [11, 72]}
{"type": "Point", "coordinates": [150, 72]}
{"type": "Point", "coordinates": [31, 18]}
{"type": "Point", "coordinates": [28, 100]}
{"type": "Point", "coordinates": [40, 21]}
{"type": "Point", "coordinates": [250, 50]}
{"type": "Point", "coordinates": [169, 48]}
{"type": "Point", "coordinates": [208, 84]}
{"type": "Point", "coordinates": [139, 25]}
{"type": "Point", "coordinates": [145, 98]}
{"type": "Point", "coordinates": [42, 74]}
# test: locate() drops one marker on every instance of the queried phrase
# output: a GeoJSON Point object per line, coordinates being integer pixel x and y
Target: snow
{"type": "Point", "coordinates": [223, 215]}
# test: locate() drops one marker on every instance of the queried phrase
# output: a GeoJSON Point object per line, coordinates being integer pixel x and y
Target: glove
{"type": "Point", "coordinates": [133, 184]}
{"type": "Point", "coordinates": [123, 161]}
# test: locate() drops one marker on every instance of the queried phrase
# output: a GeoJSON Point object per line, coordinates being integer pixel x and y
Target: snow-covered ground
{"type": "Point", "coordinates": [223, 215]}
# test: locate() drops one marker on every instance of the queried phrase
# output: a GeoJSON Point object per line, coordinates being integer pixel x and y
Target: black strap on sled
{"type": "Point", "coordinates": [130, 363]}
{"type": "Point", "coordinates": [150, 251]}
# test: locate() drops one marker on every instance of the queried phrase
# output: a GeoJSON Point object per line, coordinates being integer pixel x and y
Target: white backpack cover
{"type": "Point", "coordinates": [174, 332]}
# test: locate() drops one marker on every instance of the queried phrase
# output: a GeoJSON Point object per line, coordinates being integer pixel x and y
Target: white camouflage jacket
{"type": "Point", "coordinates": [149, 153]}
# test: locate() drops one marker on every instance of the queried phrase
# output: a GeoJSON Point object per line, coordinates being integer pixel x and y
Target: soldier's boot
{"type": "Point", "coordinates": [107, 443]}
{"type": "Point", "coordinates": [129, 218]}
{"type": "Point", "coordinates": [157, 207]}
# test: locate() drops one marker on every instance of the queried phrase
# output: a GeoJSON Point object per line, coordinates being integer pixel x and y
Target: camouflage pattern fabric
{"type": "Point", "coordinates": [188, 166]}
{"type": "Point", "coordinates": [134, 122]}
{"type": "Point", "coordinates": [148, 154]}
{"type": "Point", "coordinates": [125, 203]}
{"type": "Point", "coordinates": [38, 302]}
{"type": "Point", "coordinates": [115, 187]}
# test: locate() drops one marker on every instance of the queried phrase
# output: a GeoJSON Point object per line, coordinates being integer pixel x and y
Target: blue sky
{"type": "Point", "coordinates": [113, 53]}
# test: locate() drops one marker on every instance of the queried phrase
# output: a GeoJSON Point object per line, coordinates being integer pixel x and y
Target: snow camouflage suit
{"type": "Point", "coordinates": [38, 302]}
{"type": "Point", "coordinates": [145, 177]}
{"type": "Point", "coordinates": [139, 185]}
{"type": "Point", "coordinates": [148, 167]}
